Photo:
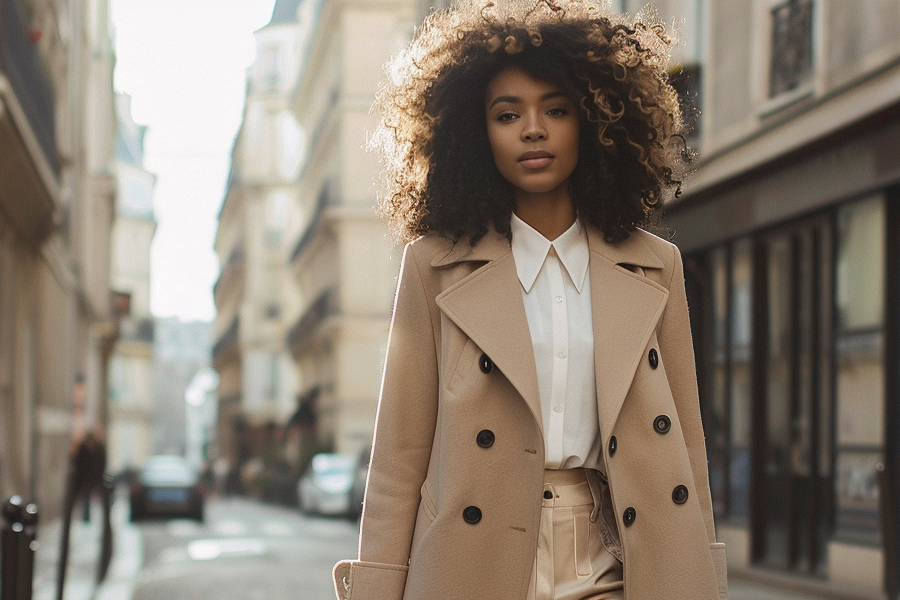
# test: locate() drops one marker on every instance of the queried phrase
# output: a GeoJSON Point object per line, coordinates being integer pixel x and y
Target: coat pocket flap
{"type": "Point", "coordinates": [361, 580]}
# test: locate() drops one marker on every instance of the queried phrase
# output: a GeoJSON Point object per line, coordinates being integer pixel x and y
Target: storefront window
{"type": "Point", "coordinates": [859, 358]}
{"type": "Point", "coordinates": [717, 425]}
{"type": "Point", "coordinates": [741, 377]}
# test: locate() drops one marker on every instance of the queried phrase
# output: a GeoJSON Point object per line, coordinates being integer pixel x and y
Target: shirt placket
{"type": "Point", "coordinates": [560, 320]}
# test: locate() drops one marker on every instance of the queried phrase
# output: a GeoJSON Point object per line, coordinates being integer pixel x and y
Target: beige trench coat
{"type": "Point", "coordinates": [460, 361]}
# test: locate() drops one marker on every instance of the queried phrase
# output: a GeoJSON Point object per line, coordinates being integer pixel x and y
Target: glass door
{"type": "Point", "coordinates": [794, 412]}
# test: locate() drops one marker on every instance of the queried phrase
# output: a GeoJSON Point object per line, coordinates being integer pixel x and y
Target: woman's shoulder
{"type": "Point", "coordinates": [663, 248]}
{"type": "Point", "coordinates": [426, 248]}
{"type": "Point", "coordinates": [439, 250]}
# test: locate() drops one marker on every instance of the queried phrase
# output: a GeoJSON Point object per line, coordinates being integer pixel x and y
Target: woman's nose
{"type": "Point", "coordinates": [533, 129]}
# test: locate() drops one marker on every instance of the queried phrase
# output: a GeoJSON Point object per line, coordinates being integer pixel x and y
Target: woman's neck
{"type": "Point", "coordinates": [549, 214]}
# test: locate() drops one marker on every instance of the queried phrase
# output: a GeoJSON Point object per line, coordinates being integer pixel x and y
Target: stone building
{"type": "Point", "coordinates": [342, 261]}
{"type": "Point", "coordinates": [57, 202]}
{"type": "Point", "coordinates": [790, 230]}
{"type": "Point", "coordinates": [131, 366]}
{"type": "Point", "coordinates": [257, 389]}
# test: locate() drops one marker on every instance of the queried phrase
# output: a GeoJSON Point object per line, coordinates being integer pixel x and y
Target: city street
{"type": "Point", "coordinates": [244, 551]}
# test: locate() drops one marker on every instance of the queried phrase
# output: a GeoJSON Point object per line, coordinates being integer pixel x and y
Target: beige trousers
{"type": "Point", "coordinates": [571, 562]}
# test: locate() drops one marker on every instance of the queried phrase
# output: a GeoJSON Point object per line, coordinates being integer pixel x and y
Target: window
{"type": "Point", "coordinates": [728, 377]}
{"type": "Point", "coordinates": [791, 62]}
{"type": "Point", "coordinates": [791, 336]}
{"type": "Point", "coordinates": [859, 361]}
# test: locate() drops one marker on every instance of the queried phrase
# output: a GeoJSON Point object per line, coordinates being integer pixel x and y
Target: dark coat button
{"type": "Point", "coordinates": [472, 514]}
{"type": "Point", "coordinates": [485, 438]}
{"type": "Point", "coordinates": [629, 516]}
{"type": "Point", "coordinates": [680, 494]}
{"type": "Point", "coordinates": [613, 445]}
{"type": "Point", "coordinates": [653, 357]}
{"type": "Point", "coordinates": [548, 495]}
{"type": "Point", "coordinates": [486, 364]}
{"type": "Point", "coordinates": [662, 424]}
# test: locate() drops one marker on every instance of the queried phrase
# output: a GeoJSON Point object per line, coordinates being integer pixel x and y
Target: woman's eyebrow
{"type": "Point", "coordinates": [517, 100]}
{"type": "Point", "coordinates": [509, 99]}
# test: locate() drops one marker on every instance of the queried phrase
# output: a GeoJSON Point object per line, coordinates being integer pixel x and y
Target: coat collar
{"type": "Point", "coordinates": [633, 251]}
{"type": "Point", "coordinates": [487, 306]}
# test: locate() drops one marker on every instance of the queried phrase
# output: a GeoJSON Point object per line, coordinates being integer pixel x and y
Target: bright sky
{"type": "Point", "coordinates": [184, 64]}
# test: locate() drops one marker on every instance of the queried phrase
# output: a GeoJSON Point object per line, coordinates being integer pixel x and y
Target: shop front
{"type": "Point", "coordinates": [792, 273]}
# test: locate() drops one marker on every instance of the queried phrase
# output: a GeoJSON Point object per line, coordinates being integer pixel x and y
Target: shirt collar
{"type": "Point", "coordinates": [530, 250]}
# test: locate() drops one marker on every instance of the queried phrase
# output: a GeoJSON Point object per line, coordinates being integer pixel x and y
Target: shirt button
{"type": "Point", "coordinates": [559, 298]}
{"type": "Point", "coordinates": [558, 408]}
{"type": "Point", "coordinates": [561, 355]}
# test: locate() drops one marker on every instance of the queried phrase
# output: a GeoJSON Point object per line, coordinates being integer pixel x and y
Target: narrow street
{"type": "Point", "coordinates": [244, 551]}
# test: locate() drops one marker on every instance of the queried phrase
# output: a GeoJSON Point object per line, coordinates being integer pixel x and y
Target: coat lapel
{"type": "Point", "coordinates": [487, 306]}
{"type": "Point", "coordinates": [626, 309]}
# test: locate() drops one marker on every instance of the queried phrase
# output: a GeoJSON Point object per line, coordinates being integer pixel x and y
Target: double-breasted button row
{"type": "Point", "coordinates": [679, 496]}
{"type": "Point", "coordinates": [486, 364]}
{"type": "Point", "coordinates": [661, 424]}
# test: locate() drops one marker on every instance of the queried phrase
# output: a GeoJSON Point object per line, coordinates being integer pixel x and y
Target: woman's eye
{"type": "Point", "coordinates": [506, 116]}
{"type": "Point", "coordinates": [557, 112]}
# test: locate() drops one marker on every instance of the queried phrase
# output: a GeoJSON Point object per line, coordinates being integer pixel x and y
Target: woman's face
{"type": "Point", "coordinates": [533, 130]}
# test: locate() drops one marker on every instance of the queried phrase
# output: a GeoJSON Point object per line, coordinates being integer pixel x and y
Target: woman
{"type": "Point", "coordinates": [538, 434]}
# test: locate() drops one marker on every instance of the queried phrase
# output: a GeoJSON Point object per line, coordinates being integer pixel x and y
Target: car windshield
{"type": "Point", "coordinates": [168, 471]}
{"type": "Point", "coordinates": [332, 464]}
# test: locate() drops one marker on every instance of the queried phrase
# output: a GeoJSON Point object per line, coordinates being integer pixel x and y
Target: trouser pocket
{"type": "Point", "coordinates": [604, 513]}
{"type": "Point", "coordinates": [581, 522]}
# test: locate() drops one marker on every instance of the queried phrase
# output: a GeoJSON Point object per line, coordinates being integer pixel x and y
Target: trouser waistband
{"type": "Point", "coordinates": [568, 487]}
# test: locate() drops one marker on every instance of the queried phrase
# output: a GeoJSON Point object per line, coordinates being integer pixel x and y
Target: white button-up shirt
{"type": "Point", "coordinates": [557, 294]}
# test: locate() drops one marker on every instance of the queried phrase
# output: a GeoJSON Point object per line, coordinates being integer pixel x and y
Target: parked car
{"type": "Point", "coordinates": [167, 486]}
{"type": "Point", "coordinates": [358, 491]}
{"type": "Point", "coordinates": [327, 486]}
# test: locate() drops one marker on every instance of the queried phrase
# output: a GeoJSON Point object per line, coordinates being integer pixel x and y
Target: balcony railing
{"type": "Point", "coordinates": [321, 308]}
{"type": "Point", "coordinates": [326, 198]}
{"type": "Point", "coordinates": [21, 63]}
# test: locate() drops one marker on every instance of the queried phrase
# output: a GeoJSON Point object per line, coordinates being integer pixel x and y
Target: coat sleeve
{"type": "Point", "coordinates": [677, 348]}
{"type": "Point", "coordinates": [404, 432]}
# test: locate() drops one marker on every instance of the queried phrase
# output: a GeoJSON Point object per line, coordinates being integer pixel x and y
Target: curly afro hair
{"type": "Point", "coordinates": [439, 171]}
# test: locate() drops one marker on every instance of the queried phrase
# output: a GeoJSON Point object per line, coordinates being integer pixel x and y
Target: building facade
{"type": "Point", "coordinates": [343, 263]}
{"type": "Point", "coordinates": [790, 229]}
{"type": "Point", "coordinates": [131, 367]}
{"type": "Point", "coordinates": [57, 202]}
{"type": "Point", "coordinates": [257, 376]}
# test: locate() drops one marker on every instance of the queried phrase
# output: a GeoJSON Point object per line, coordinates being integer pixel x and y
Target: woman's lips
{"type": "Point", "coordinates": [536, 159]}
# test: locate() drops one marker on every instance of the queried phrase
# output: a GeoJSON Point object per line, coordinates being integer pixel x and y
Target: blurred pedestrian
{"type": "Point", "coordinates": [85, 478]}
{"type": "Point", "coordinates": [538, 433]}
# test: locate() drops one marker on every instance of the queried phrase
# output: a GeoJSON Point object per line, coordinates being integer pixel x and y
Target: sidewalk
{"type": "Point", "coordinates": [741, 589]}
{"type": "Point", "coordinates": [127, 561]}
{"type": "Point", "coordinates": [84, 552]}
